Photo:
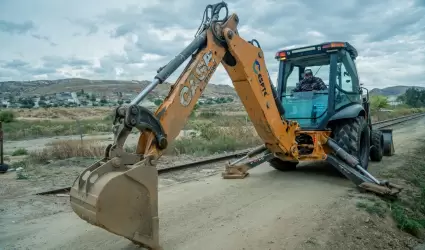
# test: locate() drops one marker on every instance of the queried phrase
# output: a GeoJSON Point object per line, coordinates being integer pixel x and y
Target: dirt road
{"type": "Point", "coordinates": [311, 208]}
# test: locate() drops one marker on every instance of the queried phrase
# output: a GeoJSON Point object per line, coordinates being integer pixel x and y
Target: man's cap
{"type": "Point", "coordinates": [308, 71]}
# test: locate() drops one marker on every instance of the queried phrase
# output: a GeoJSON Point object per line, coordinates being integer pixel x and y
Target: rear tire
{"type": "Point", "coordinates": [377, 145]}
{"type": "Point", "coordinates": [353, 135]}
{"type": "Point", "coordinates": [283, 166]}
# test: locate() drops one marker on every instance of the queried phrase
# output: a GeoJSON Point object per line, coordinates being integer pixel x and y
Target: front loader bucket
{"type": "Point", "coordinates": [120, 199]}
{"type": "Point", "coordinates": [388, 142]}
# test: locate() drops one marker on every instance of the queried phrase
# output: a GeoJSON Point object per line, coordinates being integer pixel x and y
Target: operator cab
{"type": "Point", "coordinates": [334, 64]}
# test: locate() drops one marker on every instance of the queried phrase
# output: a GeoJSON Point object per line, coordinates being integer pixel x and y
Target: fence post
{"type": "Point", "coordinates": [3, 167]}
{"type": "Point", "coordinates": [80, 130]}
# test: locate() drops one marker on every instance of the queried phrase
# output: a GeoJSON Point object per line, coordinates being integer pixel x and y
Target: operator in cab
{"type": "Point", "coordinates": [309, 83]}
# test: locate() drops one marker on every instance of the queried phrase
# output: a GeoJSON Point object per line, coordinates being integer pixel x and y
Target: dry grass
{"type": "Point", "coordinates": [397, 112]}
{"type": "Point", "coordinates": [218, 133]}
{"type": "Point", "coordinates": [63, 114]}
{"type": "Point", "coordinates": [212, 139]}
{"type": "Point", "coordinates": [94, 113]}
{"type": "Point", "coordinates": [216, 139]}
{"type": "Point", "coordinates": [23, 129]}
{"type": "Point", "coordinates": [31, 127]}
{"type": "Point", "coordinates": [65, 149]}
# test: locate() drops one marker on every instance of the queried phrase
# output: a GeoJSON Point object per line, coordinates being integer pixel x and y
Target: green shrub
{"type": "Point", "coordinates": [20, 151]}
{"type": "Point", "coordinates": [7, 116]}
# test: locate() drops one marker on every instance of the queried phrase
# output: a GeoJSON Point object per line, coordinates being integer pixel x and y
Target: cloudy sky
{"type": "Point", "coordinates": [130, 39]}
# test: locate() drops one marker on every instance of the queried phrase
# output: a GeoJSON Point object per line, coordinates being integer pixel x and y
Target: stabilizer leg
{"type": "Point", "coordinates": [350, 168]}
{"type": "Point", "coordinates": [234, 171]}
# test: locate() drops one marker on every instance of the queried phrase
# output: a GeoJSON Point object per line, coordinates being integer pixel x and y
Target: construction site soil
{"type": "Point", "coordinates": [311, 208]}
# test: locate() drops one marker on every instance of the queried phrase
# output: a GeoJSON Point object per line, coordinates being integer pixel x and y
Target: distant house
{"type": "Point", "coordinates": [36, 100]}
{"type": "Point", "coordinates": [147, 104]}
{"type": "Point", "coordinates": [64, 96]}
{"type": "Point", "coordinates": [392, 100]}
{"type": "Point", "coordinates": [75, 98]}
{"type": "Point", "coordinates": [5, 103]}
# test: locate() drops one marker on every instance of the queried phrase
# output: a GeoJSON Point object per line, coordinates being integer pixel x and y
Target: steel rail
{"type": "Point", "coordinates": [222, 157]}
{"type": "Point", "coordinates": [396, 121]}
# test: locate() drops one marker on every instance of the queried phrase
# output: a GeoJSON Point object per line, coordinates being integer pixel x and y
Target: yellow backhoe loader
{"type": "Point", "coordinates": [120, 192]}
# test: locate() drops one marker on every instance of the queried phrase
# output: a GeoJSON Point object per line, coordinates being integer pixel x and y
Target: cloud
{"type": "Point", "coordinates": [90, 26]}
{"type": "Point", "coordinates": [132, 39]}
{"type": "Point", "coordinates": [16, 28]}
{"type": "Point", "coordinates": [15, 64]}
{"type": "Point", "coordinates": [44, 38]}
{"type": "Point", "coordinates": [49, 67]}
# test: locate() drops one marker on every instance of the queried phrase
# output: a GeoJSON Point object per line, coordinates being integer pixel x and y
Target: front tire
{"type": "Point", "coordinates": [353, 135]}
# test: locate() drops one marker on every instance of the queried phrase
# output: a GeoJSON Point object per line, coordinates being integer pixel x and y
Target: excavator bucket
{"type": "Point", "coordinates": [121, 199]}
{"type": "Point", "coordinates": [388, 142]}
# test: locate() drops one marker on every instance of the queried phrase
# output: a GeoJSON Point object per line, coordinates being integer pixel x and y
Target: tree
{"type": "Point", "coordinates": [103, 100]}
{"type": "Point", "coordinates": [157, 102]}
{"type": "Point", "coordinates": [379, 102]}
{"type": "Point", "coordinates": [42, 104]}
{"type": "Point", "coordinates": [11, 98]}
{"type": "Point", "coordinates": [221, 100]}
{"type": "Point", "coordinates": [192, 114]}
{"type": "Point", "coordinates": [93, 98]}
{"type": "Point", "coordinates": [413, 97]}
{"type": "Point", "coordinates": [26, 103]}
{"type": "Point", "coordinates": [120, 102]}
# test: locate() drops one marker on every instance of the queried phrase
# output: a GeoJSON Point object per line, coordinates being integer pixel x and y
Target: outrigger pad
{"type": "Point", "coordinates": [388, 141]}
{"type": "Point", "coordinates": [240, 171]}
{"type": "Point", "coordinates": [235, 172]}
{"type": "Point", "coordinates": [388, 190]}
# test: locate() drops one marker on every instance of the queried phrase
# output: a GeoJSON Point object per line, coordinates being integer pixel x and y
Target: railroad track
{"type": "Point", "coordinates": [395, 121]}
{"type": "Point", "coordinates": [377, 125]}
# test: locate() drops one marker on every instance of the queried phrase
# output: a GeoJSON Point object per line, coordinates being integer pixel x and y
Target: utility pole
{"type": "Point", "coordinates": [3, 167]}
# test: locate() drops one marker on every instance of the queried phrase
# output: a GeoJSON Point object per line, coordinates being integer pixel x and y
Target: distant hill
{"type": "Point", "coordinates": [392, 91]}
{"type": "Point", "coordinates": [103, 87]}
{"type": "Point", "coordinates": [110, 87]}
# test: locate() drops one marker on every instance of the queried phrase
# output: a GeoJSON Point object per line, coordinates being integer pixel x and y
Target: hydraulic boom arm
{"type": "Point", "coordinates": [219, 43]}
